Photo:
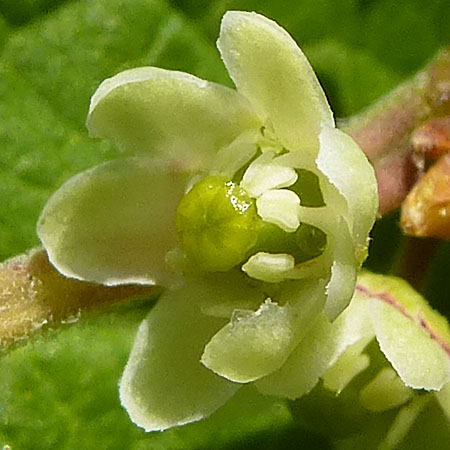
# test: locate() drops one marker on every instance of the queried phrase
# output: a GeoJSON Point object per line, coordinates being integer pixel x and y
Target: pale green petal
{"type": "Point", "coordinates": [413, 337]}
{"type": "Point", "coordinates": [340, 252]}
{"type": "Point", "coordinates": [385, 391]}
{"type": "Point", "coordinates": [310, 359]}
{"type": "Point", "coordinates": [317, 352]}
{"type": "Point", "coordinates": [168, 114]}
{"type": "Point", "coordinates": [405, 298]}
{"type": "Point", "coordinates": [340, 287]}
{"type": "Point", "coordinates": [164, 384]}
{"type": "Point", "coordinates": [353, 325]}
{"type": "Point", "coordinates": [268, 67]}
{"type": "Point", "coordinates": [350, 364]}
{"type": "Point", "coordinates": [348, 169]}
{"type": "Point", "coordinates": [252, 345]}
{"type": "Point", "coordinates": [256, 343]}
{"type": "Point", "coordinates": [418, 359]}
{"type": "Point", "coordinates": [344, 271]}
{"type": "Point", "coordinates": [113, 224]}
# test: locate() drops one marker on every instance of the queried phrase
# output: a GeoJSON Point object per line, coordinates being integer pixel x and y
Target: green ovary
{"type": "Point", "coordinates": [217, 224]}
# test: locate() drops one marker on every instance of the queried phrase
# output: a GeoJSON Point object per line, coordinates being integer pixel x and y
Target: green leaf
{"type": "Point", "coordinates": [87, 41]}
{"type": "Point", "coordinates": [39, 150]}
{"type": "Point", "coordinates": [360, 80]}
{"type": "Point", "coordinates": [19, 13]}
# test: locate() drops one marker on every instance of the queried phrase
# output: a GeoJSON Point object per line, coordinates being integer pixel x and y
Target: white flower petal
{"type": "Point", "coordinates": [348, 169]}
{"type": "Point", "coordinates": [341, 253]}
{"type": "Point", "coordinates": [316, 352]}
{"type": "Point", "coordinates": [168, 114]}
{"type": "Point", "coordinates": [308, 361]}
{"type": "Point", "coordinates": [268, 68]}
{"type": "Point", "coordinates": [255, 344]}
{"type": "Point", "coordinates": [420, 362]}
{"type": "Point", "coordinates": [252, 344]}
{"type": "Point", "coordinates": [340, 288]}
{"type": "Point", "coordinates": [164, 384]}
{"type": "Point", "coordinates": [413, 337]}
{"type": "Point", "coordinates": [344, 271]}
{"type": "Point", "coordinates": [114, 223]}
{"type": "Point", "coordinates": [354, 324]}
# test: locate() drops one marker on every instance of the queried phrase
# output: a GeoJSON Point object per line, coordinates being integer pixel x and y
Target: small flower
{"type": "Point", "coordinates": [249, 206]}
{"type": "Point", "coordinates": [389, 355]}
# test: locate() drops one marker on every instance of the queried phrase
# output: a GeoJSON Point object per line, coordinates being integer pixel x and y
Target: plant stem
{"type": "Point", "coordinates": [384, 129]}
{"type": "Point", "coordinates": [34, 297]}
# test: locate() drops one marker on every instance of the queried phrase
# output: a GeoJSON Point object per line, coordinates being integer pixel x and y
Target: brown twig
{"type": "Point", "coordinates": [35, 297]}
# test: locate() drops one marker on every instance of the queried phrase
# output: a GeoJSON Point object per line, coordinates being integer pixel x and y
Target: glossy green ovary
{"type": "Point", "coordinates": [217, 224]}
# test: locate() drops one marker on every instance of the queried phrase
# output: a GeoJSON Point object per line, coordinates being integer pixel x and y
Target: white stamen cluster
{"type": "Point", "coordinates": [264, 180]}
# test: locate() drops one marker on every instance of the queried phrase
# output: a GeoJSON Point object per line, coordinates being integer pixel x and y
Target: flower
{"type": "Point", "coordinates": [392, 347]}
{"type": "Point", "coordinates": [249, 206]}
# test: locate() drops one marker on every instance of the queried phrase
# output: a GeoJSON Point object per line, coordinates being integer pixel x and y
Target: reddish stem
{"type": "Point", "coordinates": [384, 131]}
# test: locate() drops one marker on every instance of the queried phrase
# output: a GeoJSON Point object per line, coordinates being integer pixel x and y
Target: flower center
{"type": "Point", "coordinates": [249, 212]}
{"type": "Point", "coordinates": [220, 226]}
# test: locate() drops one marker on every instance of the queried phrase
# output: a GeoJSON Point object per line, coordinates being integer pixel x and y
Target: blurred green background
{"type": "Point", "coordinates": [60, 391]}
